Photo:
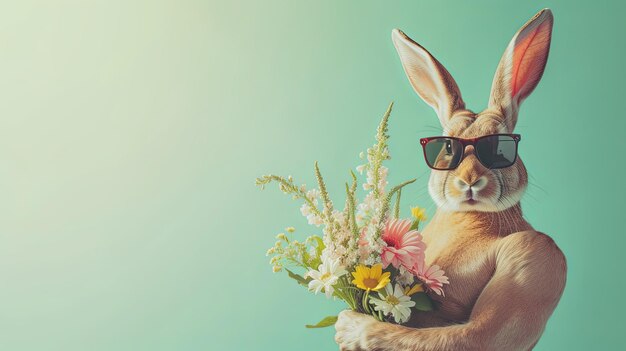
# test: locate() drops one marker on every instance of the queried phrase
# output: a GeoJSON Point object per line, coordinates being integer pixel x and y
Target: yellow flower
{"type": "Point", "coordinates": [415, 289]}
{"type": "Point", "coordinates": [290, 229]}
{"type": "Point", "coordinates": [367, 278]}
{"type": "Point", "coordinates": [418, 213]}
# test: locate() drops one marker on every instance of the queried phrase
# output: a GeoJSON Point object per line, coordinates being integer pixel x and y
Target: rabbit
{"type": "Point", "coordinates": [505, 277]}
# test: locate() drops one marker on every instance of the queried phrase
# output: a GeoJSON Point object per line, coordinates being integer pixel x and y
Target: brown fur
{"type": "Point", "coordinates": [505, 277]}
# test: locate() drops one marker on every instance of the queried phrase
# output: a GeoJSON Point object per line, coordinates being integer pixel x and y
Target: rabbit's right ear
{"type": "Point", "coordinates": [521, 66]}
{"type": "Point", "coordinates": [430, 80]}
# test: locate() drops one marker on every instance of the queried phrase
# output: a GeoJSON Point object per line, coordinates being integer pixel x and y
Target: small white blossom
{"type": "Point", "coordinates": [313, 194]}
{"type": "Point", "coordinates": [305, 210]}
{"type": "Point", "coordinates": [370, 177]}
{"type": "Point", "coordinates": [405, 277]}
{"type": "Point", "coordinates": [338, 216]}
{"type": "Point", "coordinates": [371, 260]}
{"type": "Point", "coordinates": [383, 171]}
{"type": "Point", "coordinates": [315, 219]}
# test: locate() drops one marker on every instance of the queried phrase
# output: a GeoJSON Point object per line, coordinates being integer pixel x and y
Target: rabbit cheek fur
{"type": "Point", "coordinates": [505, 278]}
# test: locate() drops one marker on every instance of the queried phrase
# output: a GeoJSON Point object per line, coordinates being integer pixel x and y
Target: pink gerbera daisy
{"type": "Point", "coordinates": [404, 246]}
{"type": "Point", "coordinates": [433, 276]}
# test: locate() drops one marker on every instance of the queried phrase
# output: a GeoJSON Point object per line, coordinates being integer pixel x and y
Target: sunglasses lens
{"type": "Point", "coordinates": [496, 151]}
{"type": "Point", "coordinates": [443, 153]}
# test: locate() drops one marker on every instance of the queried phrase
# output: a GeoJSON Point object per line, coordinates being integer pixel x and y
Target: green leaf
{"type": "Point", "coordinates": [388, 200]}
{"type": "Point", "coordinates": [422, 302]}
{"type": "Point", "coordinates": [297, 277]}
{"type": "Point", "coordinates": [398, 187]}
{"type": "Point", "coordinates": [306, 258]}
{"type": "Point", "coordinates": [313, 261]}
{"type": "Point", "coordinates": [326, 322]}
{"type": "Point", "coordinates": [320, 245]}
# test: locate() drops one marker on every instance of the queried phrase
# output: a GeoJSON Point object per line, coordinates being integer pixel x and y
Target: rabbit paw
{"type": "Point", "coordinates": [353, 329]}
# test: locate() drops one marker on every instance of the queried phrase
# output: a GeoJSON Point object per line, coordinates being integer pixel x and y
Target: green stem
{"type": "Point", "coordinates": [351, 301]}
{"type": "Point", "coordinates": [343, 293]}
{"type": "Point", "coordinates": [415, 225]}
{"type": "Point", "coordinates": [396, 210]}
{"type": "Point", "coordinates": [290, 187]}
{"type": "Point", "coordinates": [365, 303]}
{"type": "Point", "coordinates": [328, 207]}
{"type": "Point", "coordinates": [353, 186]}
{"type": "Point", "coordinates": [352, 214]}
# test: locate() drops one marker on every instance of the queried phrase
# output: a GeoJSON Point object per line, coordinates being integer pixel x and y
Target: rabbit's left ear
{"type": "Point", "coordinates": [521, 66]}
{"type": "Point", "coordinates": [430, 80]}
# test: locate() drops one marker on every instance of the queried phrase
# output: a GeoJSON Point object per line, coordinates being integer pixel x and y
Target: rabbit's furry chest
{"type": "Point", "coordinates": [469, 264]}
{"type": "Point", "coordinates": [465, 248]}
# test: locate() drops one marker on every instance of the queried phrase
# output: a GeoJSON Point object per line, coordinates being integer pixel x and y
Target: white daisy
{"type": "Point", "coordinates": [325, 276]}
{"type": "Point", "coordinates": [394, 302]}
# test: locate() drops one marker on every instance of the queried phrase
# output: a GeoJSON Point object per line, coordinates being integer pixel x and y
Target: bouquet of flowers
{"type": "Point", "coordinates": [366, 255]}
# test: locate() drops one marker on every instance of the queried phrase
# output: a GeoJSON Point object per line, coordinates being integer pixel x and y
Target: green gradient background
{"type": "Point", "coordinates": [132, 132]}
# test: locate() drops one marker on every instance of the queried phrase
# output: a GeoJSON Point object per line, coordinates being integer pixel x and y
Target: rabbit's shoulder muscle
{"type": "Point", "coordinates": [531, 257]}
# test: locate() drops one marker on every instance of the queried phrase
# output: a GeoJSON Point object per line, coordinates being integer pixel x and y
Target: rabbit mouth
{"type": "Point", "coordinates": [471, 201]}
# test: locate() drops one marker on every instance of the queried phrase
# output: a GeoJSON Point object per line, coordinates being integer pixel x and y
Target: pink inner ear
{"type": "Point", "coordinates": [529, 59]}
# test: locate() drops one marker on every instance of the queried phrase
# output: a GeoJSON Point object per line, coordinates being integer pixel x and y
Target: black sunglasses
{"type": "Point", "coordinates": [493, 151]}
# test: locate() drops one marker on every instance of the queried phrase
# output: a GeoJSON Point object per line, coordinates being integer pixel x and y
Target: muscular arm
{"type": "Point", "coordinates": [510, 313]}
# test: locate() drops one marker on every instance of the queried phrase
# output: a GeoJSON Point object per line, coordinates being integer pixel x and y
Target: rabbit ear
{"type": "Point", "coordinates": [521, 66]}
{"type": "Point", "coordinates": [429, 78]}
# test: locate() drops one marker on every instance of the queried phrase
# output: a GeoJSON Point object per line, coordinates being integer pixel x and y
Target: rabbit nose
{"type": "Point", "coordinates": [475, 185]}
